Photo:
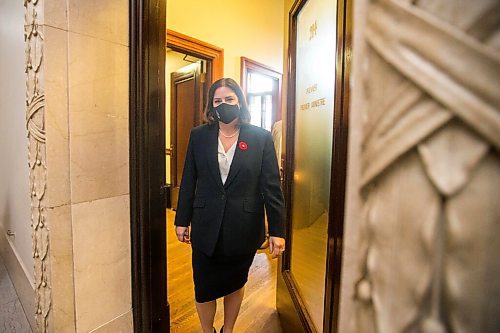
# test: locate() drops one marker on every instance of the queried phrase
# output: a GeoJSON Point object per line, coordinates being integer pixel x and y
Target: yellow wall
{"type": "Point", "coordinates": [253, 29]}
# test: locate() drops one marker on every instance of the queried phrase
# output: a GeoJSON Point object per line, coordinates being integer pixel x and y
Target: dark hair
{"type": "Point", "coordinates": [209, 113]}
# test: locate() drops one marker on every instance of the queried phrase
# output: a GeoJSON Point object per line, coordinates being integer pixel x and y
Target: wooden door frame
{"type": "Point", "coordinates": [213, 55]}
{"type": "Point", "coordinates": [147, 165]}
{"type": "Point", "coordinates": [200, 49]}
{"type": "Point", "coordinates": [339, 165]}
{"type": "Point", "coordinates": [338, 171]}
{"type": "Point", "coordinates": [147, 36]}
{"type": "Point", "coordinates": [173, 123]}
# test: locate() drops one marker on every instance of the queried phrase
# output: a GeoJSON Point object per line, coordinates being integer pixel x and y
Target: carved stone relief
{"type": "Point", "coordinates": [430, 173]}
{"type": "Point", "coordinates": [35, 123]}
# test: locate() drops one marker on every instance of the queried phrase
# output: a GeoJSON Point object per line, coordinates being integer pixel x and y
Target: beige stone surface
{"type": "Point", "coordinates": [77, 93]}
{"type": "Point", "coordinates": [98, 106]}
{"type": "Point", "coordinates": [56, 117]}
{"type": "Point", "coordinates": [423, 175]}
{"type": "Point", "coordinates": [61, 266]}
{"type": "Point", "coordinates": [101, 248]}
{"type": "Point", "coordinates": [122, 324]}
{"type": "Point", "coordinates": [473, 214]}
{"type": "Point", "coordinates": [56, 13]}
{"type": "Point", "coordinates": [106, 20]}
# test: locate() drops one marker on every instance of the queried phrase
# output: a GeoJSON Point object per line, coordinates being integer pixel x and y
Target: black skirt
{"type": "Point", "coordinates": [219, 275]}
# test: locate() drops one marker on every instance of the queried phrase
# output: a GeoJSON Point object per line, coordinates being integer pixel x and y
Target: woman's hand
{"type": "Point", "coordinates": [183, 234]}
{"type": "Point", "coordinates": [276, 246]}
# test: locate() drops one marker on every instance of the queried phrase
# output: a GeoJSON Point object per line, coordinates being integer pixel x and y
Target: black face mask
{"type": "Point", "coordinates": [227, 113]}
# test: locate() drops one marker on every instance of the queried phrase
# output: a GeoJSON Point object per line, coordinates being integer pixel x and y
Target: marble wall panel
{"type": "Point", "coordinates": [101, 248]}
{"type": "Point", "coordinates": [61, 267]}
{"type": "Point", "coordinates": [122, 324]}
{"type": "Point", "coordinates": [83, 84]}
{"type": "Point", "coordinates": [107, 20]}
{"type": "Point", "coordinates": [98, 107]}
{"type": "Point", "coordinates": [56, 117]}
{"type": "Point", "coordinates": [56, 14]}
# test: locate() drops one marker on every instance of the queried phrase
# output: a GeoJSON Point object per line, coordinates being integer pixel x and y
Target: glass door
{"type": "Point", "coordinates": [305, 293]}
{"type": "Point", "coordinates": [310, 200]}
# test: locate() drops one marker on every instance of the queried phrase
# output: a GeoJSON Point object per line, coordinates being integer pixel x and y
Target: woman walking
{"type": "Point", "coordinates": [230, 175]}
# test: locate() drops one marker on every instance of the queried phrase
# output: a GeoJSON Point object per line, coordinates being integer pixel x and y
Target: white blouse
{"type": "Point", "coordinates": [225, 159]}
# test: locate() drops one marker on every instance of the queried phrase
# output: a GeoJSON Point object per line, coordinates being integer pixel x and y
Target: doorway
{"type": "Point", "coordinates": [315, 168]}
{"type": "Point", "coordinates": [152, 312]}
{"type": "Point", "coordinates": [191, 66]}
{"type": "Point", "coordinates": [233, 26]}
{"type": "Point", "coordinates": [186, 85]}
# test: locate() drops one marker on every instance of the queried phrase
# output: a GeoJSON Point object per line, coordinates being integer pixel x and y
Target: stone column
{"type": "Point", "coordinates": [77, 121]}
{"type": "Point", "coordinates": [422, 232]}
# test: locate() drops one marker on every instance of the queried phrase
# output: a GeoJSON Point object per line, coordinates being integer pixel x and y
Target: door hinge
{"type": "Point", "coordinates": [165, 194]}
{"type": "Point", "coordinates": [164, 189]}
{"type": "Point", "coordinates": [170, 151]}
{"type": "Point", "coordinates": [203, 77]}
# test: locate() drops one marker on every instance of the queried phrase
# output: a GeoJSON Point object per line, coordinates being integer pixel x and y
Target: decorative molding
{"type": "Point", "coordinates": [35, 124]}
{"type": "Point", "coordinates": [430, 167]}
{"type": "Point", "coordinates": [198, 48]}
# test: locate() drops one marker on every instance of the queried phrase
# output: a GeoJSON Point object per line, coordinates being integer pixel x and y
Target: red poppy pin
{"type": "Point", "coordinates": [243, 145]}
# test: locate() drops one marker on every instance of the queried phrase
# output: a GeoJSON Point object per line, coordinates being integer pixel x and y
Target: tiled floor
{"type": "Point", "coordinates": [12, 317]}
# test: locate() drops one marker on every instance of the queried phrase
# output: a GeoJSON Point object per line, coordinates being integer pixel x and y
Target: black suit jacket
{"type": "Point", "coordinates": [238, 206]}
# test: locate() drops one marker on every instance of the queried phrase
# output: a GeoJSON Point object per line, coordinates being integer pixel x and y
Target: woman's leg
{"type": "Point", "coordinates": [232, 303]}
{"type": "Point", "coordinates": [206, 313]}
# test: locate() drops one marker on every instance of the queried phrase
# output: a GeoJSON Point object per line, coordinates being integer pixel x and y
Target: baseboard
{"type": "Point", "coordinates": [21, 281]}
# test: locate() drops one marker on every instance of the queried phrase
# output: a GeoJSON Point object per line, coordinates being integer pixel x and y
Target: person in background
{"type": "Point", "coordinates": [230, 178]}
{"type": "Point", "coordinates": [277, 133]}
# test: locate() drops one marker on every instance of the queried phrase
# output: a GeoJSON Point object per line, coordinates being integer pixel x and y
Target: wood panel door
{"type": "Point", "coordinates": [186, 109]}
{"type": "Point", "coordinates": [314, 186]}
